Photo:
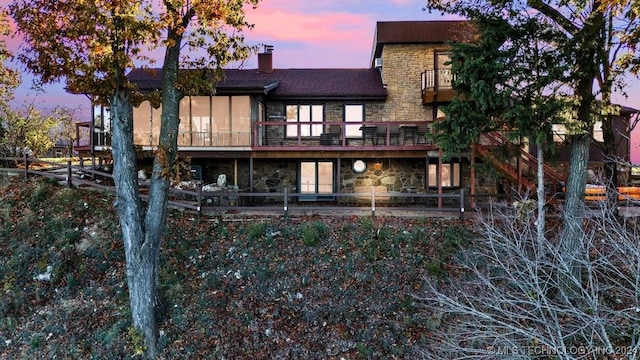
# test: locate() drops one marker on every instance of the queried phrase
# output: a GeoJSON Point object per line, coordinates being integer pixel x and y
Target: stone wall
{"type": "Point", "coordinates": [274, 176]}
{"type": "Point", "coordinates": [402, 66]}
{"type": "Point", "coordinates": [385, 176]}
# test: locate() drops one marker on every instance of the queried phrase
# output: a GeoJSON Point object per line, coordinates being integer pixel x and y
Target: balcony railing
{"type": "Point", "coordinates": [342, 134]}
{"type": "Point", "coordinates": [199, 139]}
{"type": "Point", "coordinates": [281, 135]}
{"type": "Point", "coordinates": [217, 139]}
{"type": "Point", "coordinates": [435, 80]}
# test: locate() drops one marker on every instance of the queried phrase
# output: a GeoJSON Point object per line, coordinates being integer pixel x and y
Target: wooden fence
{"type": "Point", "coordinates": [220, 202]}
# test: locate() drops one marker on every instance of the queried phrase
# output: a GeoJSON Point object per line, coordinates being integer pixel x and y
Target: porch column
{"type": "Point", "coordinates": [338, 177]}
{"type": "Point", "coordinates": [251, 174]}
{"type": "Point", "coordinates": [426, 179]}
{"type": "Point", "coordinates": [235, 171]}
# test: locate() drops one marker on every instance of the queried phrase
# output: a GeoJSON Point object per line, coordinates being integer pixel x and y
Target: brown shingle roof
{"type": "Point", "coordinates": [288, 83]}
{"type": "Point", "coordinates": [418, 32]}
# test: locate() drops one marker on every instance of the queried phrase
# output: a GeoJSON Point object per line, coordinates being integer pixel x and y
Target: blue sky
{"type": "Point", "coordinates": [305, 34]}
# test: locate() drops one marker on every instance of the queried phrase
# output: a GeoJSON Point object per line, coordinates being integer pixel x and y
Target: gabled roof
{"type": "Point", "coordinates": [321, 84]}
{"type": "Point", "coordinates": [418, 32]}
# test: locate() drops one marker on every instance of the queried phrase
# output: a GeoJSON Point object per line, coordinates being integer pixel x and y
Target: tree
{"type": "Point", "coordinates": [9, 78]}
{"type": "Point", "coordinates": [27, 132]}
{"type": "Point", "coordinates": [509, 76]}
{"type": "Point", "coordinates": [582, 31]}
{"type": "Point", "coordinates": [65, 130]}
{"type": "Point", "coordinates": [507, 301]}
{"type": "Point", "coordinates": [91, 46]}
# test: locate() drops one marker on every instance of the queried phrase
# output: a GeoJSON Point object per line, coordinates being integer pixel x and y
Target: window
{"type": "Point", "coordinates": [559, 132]}
{"type": "Point", "coordinates": [102, 117]}
{"type": "Point", "coordinates": [449, 176]}
{"type": "Point", "coordinates": [597, 132]}
{"type": "Point", "coordinates": [301, 117]}
{"type": "Point", "coordinates": [353, 113]}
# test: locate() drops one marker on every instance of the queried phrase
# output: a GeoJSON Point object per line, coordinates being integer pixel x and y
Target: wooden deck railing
{"type": "Point", "coordinates": [212, 202]}
{"type": "Point", "coordinates": [283, 135]}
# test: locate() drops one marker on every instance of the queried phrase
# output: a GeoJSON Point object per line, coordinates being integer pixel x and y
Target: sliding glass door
{"type": "Point", "coordinates": [316, 180]}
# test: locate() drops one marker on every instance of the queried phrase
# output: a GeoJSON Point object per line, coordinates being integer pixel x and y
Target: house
{"type": "Point", "coordinates": [317, 132]}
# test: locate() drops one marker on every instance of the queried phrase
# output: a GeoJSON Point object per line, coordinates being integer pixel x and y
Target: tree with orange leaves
{"type": "Point", "coordinates": [9, 78]}
{"type": "Point", "coordinates": [91, 45]}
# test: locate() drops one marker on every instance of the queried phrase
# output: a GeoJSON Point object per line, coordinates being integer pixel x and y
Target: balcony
{"type": "Point", "coordinates": [342, 136]}
{"type": "Point", "coordinates": [89, 139]}
{"type": "Point", "coordinates": [437, 86]}
{"type": "Point", "coordinates": [281, 136]}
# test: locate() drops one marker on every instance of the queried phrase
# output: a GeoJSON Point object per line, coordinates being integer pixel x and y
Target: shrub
{"type": "Point", "coordinates": [522, 296]}
{"type": "Point", "coordinates": [454, 238]}
{"type": "Point", "coordinates": [257, 230]}
{"type": "Point", "coordinates": [310, 236]}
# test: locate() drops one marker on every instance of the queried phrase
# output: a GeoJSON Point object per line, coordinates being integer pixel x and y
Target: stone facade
{"type": "Point", "coordinates": [392, 175]}
{"type": "Point", "coordinates": [402, 66]}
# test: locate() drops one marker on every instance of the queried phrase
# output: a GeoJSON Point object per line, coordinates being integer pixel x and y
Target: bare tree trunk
{"type": "Point", "coordinates": [572, 230]}
{"type": "Point", "coordinates": [142, 233]}
{"type": "Point", "coordinates": [141, 260]}
{"type": "Point", "coordinates": [608, 147]}
{"type": "Point", "coordinates": [146, 285]}
{"type": "Point", "coordinates": [576, 184]}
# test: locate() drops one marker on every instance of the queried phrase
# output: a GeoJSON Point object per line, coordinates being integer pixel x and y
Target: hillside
{"type": "Point", "coordinates": [260, 288]}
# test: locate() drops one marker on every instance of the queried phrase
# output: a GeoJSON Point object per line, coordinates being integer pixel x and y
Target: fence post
{"type": "Point", "coordinates": [69, 182]}
{"type": "Point", "coordinates": [286, 202]}
{"type": "Point", "coordinates": [26, 167]}
{"type": "Point", "coordinates": [462, 204]}
{"type": "Point", "coordinates": [373, 201]}
{"type": "Point", "coordinates": [199, 191]}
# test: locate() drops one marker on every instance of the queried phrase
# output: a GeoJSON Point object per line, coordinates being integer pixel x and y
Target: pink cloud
{"type": "Point", "coordinates": [286, 25]}
{"type": "Point", "coordinates": [311, 39]}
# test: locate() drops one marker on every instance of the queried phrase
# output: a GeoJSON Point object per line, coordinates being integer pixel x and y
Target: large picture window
{"type": "Point", "coordinates": [301, 119]}
{"type": "Point", "coordinates": [448, 177]}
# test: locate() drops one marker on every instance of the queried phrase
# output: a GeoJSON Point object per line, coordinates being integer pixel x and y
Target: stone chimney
{"type": "Point", "coordinates": [265, 59]}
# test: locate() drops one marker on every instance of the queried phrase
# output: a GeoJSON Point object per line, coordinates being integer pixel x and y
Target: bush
{"type": "Point", "coordinates": [520, 296]}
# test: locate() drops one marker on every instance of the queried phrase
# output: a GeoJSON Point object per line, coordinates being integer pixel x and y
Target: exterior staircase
{"type": "Point", "coordinates": [523, 169]}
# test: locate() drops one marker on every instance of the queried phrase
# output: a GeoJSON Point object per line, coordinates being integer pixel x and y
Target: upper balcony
{"type": "Point", "coordinates": [342, 136]}
{"type": "Point", "coordinates": [437, 86]}
{"type": "Point", "coordinates": [282, 136]}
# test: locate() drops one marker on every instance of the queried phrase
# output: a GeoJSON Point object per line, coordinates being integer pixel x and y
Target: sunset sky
{"type": "Point", "coordinates": [309, 34]}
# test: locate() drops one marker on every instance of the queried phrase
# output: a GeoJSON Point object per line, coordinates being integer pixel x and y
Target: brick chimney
{"type": "Point", "coordinates": [265, 59]}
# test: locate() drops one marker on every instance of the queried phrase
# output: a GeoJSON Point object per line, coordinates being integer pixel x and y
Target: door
{"type": "Point", "coordinates": [316, 180]}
